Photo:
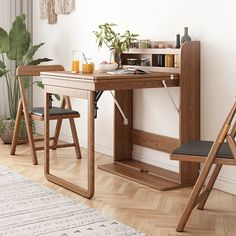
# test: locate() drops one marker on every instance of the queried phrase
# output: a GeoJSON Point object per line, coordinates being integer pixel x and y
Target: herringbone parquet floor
{"type": "Point", "coordinates": [150, 211]}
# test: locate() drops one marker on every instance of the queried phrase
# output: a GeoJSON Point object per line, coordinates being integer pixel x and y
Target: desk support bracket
{"type": "Point", "coordinates": [170, 95]}
{"type": "Point", "coordinates": [126, 121]}
{"type": "Point", "coordinates": [98, 94]}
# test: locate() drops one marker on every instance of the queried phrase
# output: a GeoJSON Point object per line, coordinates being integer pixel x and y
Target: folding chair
{"type": "Point", "coordinates": [217, 152]}
{"type": "Point", "coordinates": [55, 113]}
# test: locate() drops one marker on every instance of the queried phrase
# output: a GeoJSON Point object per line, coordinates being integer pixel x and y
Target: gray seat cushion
{"type": "Point", "coordinates": [202, 148]}
{"type": "Point", "coordinates": [39, 111]}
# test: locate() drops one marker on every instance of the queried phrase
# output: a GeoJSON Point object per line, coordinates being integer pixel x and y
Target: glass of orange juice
{"type": "Point", "coordinates": [75, 62]}
{"type": "Point", "coordinates": [87, 66]}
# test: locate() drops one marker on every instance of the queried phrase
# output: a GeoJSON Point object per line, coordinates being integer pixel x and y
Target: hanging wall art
{"type": "Point", "coordinates": [49, 9]}
{"type": "Point", "coordinates": [52, 17]}
{"type": "Point", "coordinates": [63, 7]}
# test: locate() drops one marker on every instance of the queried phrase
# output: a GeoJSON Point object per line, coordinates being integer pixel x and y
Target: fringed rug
{"type": "Point", "coordinates": [28, 208]}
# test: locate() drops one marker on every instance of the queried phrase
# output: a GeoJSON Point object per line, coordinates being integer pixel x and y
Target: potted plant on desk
{"type": "Point", "coordinates": [15, 48]}
{"type": "Point", "coordinates": [116, 42]}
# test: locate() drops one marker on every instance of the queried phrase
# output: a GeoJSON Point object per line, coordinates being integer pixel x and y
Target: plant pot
{"type": "Point", "coordinates": [7, 128]}
{"type": "Point", "coordinates": [117, 59]}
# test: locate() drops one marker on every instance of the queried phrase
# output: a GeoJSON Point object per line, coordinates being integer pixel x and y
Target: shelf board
{"type": "Point", "coordinates": [152, 176]}
{"type": "Point", "coordinates": [153, 51]}
{"type": "Point", "coordinates": [156, 69]}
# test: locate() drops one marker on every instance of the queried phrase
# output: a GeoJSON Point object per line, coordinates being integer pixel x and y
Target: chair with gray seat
{"type": "Point", "coordinates": [220, 152]}
{"type": "Point", "coordinates": [37, 113]}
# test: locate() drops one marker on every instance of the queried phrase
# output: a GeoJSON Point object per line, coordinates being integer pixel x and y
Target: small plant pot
{"type": "Point", "coordinates": [117, 59]}
{"type": "Point", "coordinates": [7, 128]}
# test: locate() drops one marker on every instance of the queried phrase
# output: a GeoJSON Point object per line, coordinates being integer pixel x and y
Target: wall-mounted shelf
{"type": "Point", "coordinates": [169, 62]}
{"type": "Point", "coordinates": [153, 51]}
{"type": "Point", "coordinates": [189, 122]}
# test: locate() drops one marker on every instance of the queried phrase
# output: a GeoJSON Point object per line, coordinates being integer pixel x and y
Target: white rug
{"type": "Point", "coordinates": [28, 208]}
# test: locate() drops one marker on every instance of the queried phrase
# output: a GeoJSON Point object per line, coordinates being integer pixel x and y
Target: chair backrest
{"type": "Point", "coordinates": [30, 70]}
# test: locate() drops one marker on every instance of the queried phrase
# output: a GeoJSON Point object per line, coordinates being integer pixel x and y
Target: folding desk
{"type": "Point", "coordinates": [89, 86]}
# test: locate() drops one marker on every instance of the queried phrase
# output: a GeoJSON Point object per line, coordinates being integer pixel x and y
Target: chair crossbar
{"type": "Point", "coordinates": [57, 146]}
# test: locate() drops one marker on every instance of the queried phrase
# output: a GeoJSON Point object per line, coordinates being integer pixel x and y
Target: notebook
{"type": "Point", "coordinates": [128, 70]}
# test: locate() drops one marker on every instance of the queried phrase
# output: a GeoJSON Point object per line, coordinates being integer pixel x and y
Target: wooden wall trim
{"type": "Point", "coordinates": [154, 141]}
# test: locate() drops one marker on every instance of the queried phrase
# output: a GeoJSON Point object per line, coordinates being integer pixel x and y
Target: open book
{"type": "Point", "coordinates": [129, 70]}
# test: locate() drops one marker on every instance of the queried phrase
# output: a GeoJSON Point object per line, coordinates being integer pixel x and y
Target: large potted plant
{"type": "Point", "coordinates": [116, 42]}
{"type": "Point", "coordinates": [15, 49]}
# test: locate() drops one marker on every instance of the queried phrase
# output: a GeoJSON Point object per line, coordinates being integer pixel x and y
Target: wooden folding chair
{"type": "Point", "coordinates": [55, 113]}
{"type": "Point", "coordinates": [220, 152]}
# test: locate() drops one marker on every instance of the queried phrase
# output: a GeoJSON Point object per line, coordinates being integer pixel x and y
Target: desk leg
{"type": "Point", "coordinates": [91, 149]}
{"type": "Point", "coordinates": [46, 132]}
{"type": "Point", "coordinates": [123, 145]}
{"type": "Point", "coordinates": [89, 192]}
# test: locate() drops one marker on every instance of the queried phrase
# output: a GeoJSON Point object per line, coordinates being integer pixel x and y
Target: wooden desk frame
{"type": "Point", "coordinates": [89, 192]}
{"type": "Point", "coordinates": [189, 129]}
{"type": "Point", "coordinates": [85, 86]}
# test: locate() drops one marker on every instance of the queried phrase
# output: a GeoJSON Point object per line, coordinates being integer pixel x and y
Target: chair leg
{"type": "Point", "coordinates": [197, 188]}
{"type": "Point", "coordinates": [28, 122]}
{"type": "Point", "coordinates": [16, 128]}
{"type": "Point", "coordinates": [232, 144]}
{"type": "Point", "coordinates": [31, 139]}
{"type": "Point", "coordinates": [75, 138]}
{"type": "Point", "coordinates": [58, 126]}
{"type": "Point", "coordinates": [210, 185]}
{"type": "Point", "coordinates": [57, 133]}
{"type": "Point", "coordinates": [73, 129]}
{"type": "Point", "coordinates": [191, 202]}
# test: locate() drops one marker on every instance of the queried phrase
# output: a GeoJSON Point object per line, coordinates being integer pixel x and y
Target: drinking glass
{"type": "Point", "coordinates": [87, 65]}
{"type": "Point", "coordinates": [75, 62]}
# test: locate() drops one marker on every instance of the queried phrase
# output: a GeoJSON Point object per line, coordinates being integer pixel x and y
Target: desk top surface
{"type": "Point", "coordinates": [99, 75]}
{"type": "Point", "coordinates": [104, 81]}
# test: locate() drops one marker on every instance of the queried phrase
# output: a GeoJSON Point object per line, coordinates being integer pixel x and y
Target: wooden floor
{"type": "Point", "coordinates": [147, 210]}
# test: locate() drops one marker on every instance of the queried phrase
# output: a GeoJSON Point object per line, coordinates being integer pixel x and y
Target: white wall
{"type": "Point", "coordinates": [211, 22]}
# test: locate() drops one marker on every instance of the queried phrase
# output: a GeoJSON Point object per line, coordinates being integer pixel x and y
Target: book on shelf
{"type": "Point", "coordinates": [128, 70]}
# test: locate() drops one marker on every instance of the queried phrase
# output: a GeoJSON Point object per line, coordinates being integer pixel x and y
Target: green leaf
{"type": "Point", "coordinates": [40, 60]}
{"type": "Point", "coordinates": [26, 81]}
{"type": "Point", "coordinates": [114, 41]}
{"type": "Point", "coordinates": [112, 24]}
{"type": "Point", "coordinates": [2, 65]}
{"type": "Point", "coordinates": [19, 39]}
{"type": "Point", "coordinates": [40, 84]}
{"type": "Point", "coordinates": [3, 72]}
{"type": "Point", "coordinates": [28, 57]}
{"type": "Point", "coordinates": [4, 41]}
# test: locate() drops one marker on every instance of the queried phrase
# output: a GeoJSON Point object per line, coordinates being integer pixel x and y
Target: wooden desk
{"type": "Point", "coordinates": [86, 86]}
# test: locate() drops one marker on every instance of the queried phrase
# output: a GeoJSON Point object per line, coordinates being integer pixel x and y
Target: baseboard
{"type": "Point", "coordinates": [155, 158]}
{"type": "Point", "coordinates": [226, 185]}
{"type": "Point", "coordinates": [223, 184]}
